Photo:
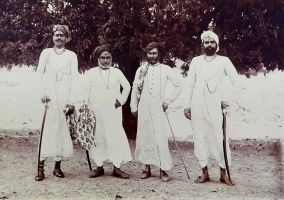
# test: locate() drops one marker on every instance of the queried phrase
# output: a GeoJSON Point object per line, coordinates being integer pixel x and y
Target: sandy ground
{"type": "Point", "coordinates": [256, 170]}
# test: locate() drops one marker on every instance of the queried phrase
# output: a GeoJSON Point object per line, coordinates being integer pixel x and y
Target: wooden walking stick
{"type": "Point", "coordinates": [88, 158]}
{"type": "Point", "coordinates": [177, 145]}
{"type": "Point", "coordinates": [224, 112]}
{"type": "Point", "coordinates": [40, 139]}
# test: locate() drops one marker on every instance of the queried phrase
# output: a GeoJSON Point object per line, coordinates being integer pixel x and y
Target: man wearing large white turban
{"type": "Point", "coordinates": [205, 101]}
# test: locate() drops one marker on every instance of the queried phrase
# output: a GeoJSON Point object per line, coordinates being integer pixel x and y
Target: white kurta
{"type": "Point", "coordinates": [152, 139]}
{"type": "Point", "coordinates": [205, 96]}
{"type": "Point", "coordinates": [110, 137]}
{"type": "Point", "coordinates": [58, 74]}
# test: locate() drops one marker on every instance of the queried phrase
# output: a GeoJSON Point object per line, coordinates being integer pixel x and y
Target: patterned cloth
{"type": "Point", "coordinates": [142, 75]}
{"type": "Point", "coordinates": [86, 128]}
{"type": "Point", "coordinates": [72, 125]}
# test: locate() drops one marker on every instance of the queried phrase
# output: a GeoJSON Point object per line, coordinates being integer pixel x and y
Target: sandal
{"type": "Point", "coordinates": [224, 178]}
{"type": "Point", "coordinates": [201, 180]}
{"type": "Point", "coordinates": [204, 177]}
{"type": "Point", "coordinates": [227, 181]}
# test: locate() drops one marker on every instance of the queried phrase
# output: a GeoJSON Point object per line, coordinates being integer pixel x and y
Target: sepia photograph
{"type": "Point", "coordinates": [142, 99]}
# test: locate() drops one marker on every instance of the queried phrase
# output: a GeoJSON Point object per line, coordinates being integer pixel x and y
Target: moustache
{"type": "Point", "coordinates": [210, 49]}
{"type": "Point", "coordinates": [105, 63]}
{"type": "Point", "coordinates": [59, 40]}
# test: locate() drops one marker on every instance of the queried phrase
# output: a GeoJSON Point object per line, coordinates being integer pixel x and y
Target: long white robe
{"type": "Point", "coordinates": [58, 74]}
{"type": "Point", "coordinates": [152, 139]}
{"type": "Point", "coordinates": [205, 94]}
{"type": "Point", "coordinates": [110, 137]}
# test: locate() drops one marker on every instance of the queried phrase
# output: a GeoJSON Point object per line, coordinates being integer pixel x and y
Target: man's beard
{"type": "Point", "coordinates": [210, 51]}
{"type": "Point", "coordinates": [104, 65]}
{"type": "Point", "coordinates": [153, 60]}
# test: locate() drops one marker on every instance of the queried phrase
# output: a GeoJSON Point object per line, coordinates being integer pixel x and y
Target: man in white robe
{"type": "Point", "coordinates": [149, 102]}
{"type": "Point", "coordinates": [206, 99]}
{"type": "Point", "coordinates": [105, 100]}
{"type": "Point", "coordinates": [58, 71]}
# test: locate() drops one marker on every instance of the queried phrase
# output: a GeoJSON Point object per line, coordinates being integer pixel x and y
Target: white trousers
{"type": "Point", "coordinates": [56, 158]}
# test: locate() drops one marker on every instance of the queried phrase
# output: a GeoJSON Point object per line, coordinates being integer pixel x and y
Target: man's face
{"type": "Point", "coordinates": [105, 60]}
{"type": "Point", "coordinates": [59, 39]}
{"type": "Point", "coordinates": [152, 56]}
{"type": "Point", "coordinates": [210, 46]}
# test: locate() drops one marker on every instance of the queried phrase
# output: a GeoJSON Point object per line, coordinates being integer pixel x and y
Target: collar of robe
{"type": "Point", "coordinates": [154, 65]}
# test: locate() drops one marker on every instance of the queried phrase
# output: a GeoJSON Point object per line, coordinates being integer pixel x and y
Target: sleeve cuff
{"type": "Point", "coordinates": [134, 110]}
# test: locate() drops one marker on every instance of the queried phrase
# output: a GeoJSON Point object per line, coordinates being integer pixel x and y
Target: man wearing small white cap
{"type": "Point", "coordinates": [206, 99]}
{"type": "Point", "coordinates": [58, 71]}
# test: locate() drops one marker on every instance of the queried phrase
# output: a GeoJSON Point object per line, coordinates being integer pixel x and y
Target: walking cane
{"type": "Point", "coordinates": [88, 158]}
{"type": "Point", "coordinates": [224, 112]}
{"type": "Point", "coordinates": [176, 145]}
{"type": "Point", "coordinates": [40, 139]}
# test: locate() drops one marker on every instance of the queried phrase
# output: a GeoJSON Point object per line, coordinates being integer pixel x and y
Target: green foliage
{"type": "Point", "coordinates": [251, 31]}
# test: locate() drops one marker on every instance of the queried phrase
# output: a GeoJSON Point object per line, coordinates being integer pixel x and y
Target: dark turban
{"type": "Point", "coordinates": [100, 49]}
{"type": "Point", "coordinates": [64, 29]}
{"type": "Point", "coordinates": [151, 46]}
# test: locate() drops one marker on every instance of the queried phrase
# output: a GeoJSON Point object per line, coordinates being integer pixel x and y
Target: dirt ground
{"type": "Point", "coordinates": [257, 172]}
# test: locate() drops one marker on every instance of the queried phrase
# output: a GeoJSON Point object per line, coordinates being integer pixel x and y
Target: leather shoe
{"type": "Point", "coordinates": [40, 173]}
{"type": "Point", "coordinates": [146, 173]}
{"type": "Point", "coordinates": [164, 176]}
{"type": "Point", "coordinates": [99, 171]}
{"type": "Point", "coordinates": [58, 173]}
{"type": "Point", "coordinates": [119, 173]}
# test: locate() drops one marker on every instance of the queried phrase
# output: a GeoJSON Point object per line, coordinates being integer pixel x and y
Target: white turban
{"type": "Point", "coordinates": [210, 34]}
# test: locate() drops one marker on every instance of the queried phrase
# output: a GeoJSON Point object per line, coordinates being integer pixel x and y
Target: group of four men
{"type": "Point", "coordinates": [58, 69]}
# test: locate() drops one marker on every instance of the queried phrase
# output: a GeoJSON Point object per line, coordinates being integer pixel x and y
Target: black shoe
{"type": "Point", "coordinates": [99, 171]}
{"type": "Point", "coordinates": [146, 173]}
{"type": "Point", "coordinates": [57, 171]}
{"type": "Point", "coordinates": [120, 174]}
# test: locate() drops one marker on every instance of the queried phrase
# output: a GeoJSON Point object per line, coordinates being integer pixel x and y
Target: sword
{"type": "Point", "coordinates": [41, 133]}
{"type": "Point", "coordinates": [224, 112]}
{"type": "Point", "coordinates": [177, 145]}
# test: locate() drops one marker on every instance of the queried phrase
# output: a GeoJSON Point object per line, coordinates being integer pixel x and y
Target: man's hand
{"type": "Point", "coordinates": [165, 106]}
{"type": "Point", "coordinates": [45, 99]}
{"type": "Point", "coordinates": [187, 113]}
{"type": "Point", "coordinates": [69, 110]}
{"type": "Point", "coordinates": [135, 114]}
{"type": "Point", "coordinates": [117, 104]}
{"type": "Point", "coordinates": [224, 104]}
